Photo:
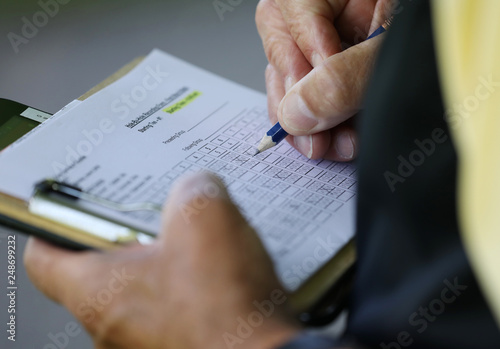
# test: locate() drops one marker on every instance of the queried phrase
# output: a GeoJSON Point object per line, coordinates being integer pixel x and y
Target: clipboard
{"type": "Point", "coordinates": [16, 214]}
{"type": "Point", "coordinates": [54, 215]}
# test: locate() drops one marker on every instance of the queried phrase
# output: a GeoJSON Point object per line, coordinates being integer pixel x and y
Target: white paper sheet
{"type": "Point", "coordinates": [122, 145]}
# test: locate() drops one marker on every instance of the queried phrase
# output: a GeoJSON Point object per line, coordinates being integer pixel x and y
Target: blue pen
{"type": "Point", "coordinates": [276, 134]}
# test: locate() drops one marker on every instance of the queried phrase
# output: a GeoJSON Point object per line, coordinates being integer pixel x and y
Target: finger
{"type": "Point", "coordinates": [58, 273]}
{"type": "Point", "coordinates": [384, 9]}
{"type": "Point", "coordinates": [281, 50]}
{"type": "Point", "coordinates": [355, 19]}
{"type": "Point", "coordinates": [201, 221]}
{"type": "Point", "coordinates": [275, 92]}
{"type": "Point", "coordinates": [313, 146]}
{"type": "Point", "coordinates": [337, 144]}
{"type": "Point", "coordinates": [310, 24]}
{"type": "Point", "coordinates": [343, 144]}
{"type": "Point", "coordinates": [331, 93]}
{"type": "Point", "coordinates": [191, 197]}
{"type": "Point", "coordinates": [200, 203]}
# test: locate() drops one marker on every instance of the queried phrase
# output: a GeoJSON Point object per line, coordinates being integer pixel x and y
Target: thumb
{"type": "Point", "coordinates": [331, 93]}
{"type": "Point", "coordinates": [192, 195]}
{"type": "Point", "coordinates": [200, 220]}
{"type": "Point", "coordinates": [199, 210]}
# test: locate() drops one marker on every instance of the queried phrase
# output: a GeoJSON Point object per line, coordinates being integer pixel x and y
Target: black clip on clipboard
{"type": "Point", "coordinates": [70, 206]}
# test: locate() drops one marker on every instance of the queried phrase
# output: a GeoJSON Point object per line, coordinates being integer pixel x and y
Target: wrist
{"type": "Point", "coordinates": [277, 335]}
{"type": "Point", "coordinates": [271, 334]}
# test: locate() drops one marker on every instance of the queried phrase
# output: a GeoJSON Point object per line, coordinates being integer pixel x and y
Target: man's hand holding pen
{"type": "Point", "coordinates": [315, 87]}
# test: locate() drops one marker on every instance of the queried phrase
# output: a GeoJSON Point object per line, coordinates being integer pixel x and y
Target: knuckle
{"type": "Point", "coordinates": [109, 325]}
{"type": "Point", "coordinates": [272, 47]}
{"type": "Point", "coordinates": [301, 37]}
{"type": "Point", "coordinates": [92, 325]}
{"type": "Point", "coordinates": [340, 93]}
{"type": "Point", "coordinates": [261, 13]}
{"type": "Point", "coordinates": [278, 52]}
{"type": "Point", "coordinates": [270, 74]}
{"type": "Point", "coordinates": [299, 21]}
{"type": "Point", "coordinates": [269, 71]}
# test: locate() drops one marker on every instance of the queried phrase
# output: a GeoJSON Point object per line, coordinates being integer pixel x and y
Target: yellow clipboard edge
{"type": "Point", "coordinates": [117, 75]}
{"type": "Point", "coordinates": [17, 210]}
{"type": "Point", "coordinates": [313, 289]}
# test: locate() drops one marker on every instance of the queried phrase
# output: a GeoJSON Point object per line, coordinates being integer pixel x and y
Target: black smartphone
{"type": "Point", "coordinates": [16, 120]}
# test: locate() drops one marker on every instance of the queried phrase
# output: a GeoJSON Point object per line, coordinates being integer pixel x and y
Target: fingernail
{"type": "Point", "coordinates": [316, 59]}
{"type": "Point", "coordinates": [345, 146]}
{"type": "Point", "coordinates": [199, 185]}
{"type": "Point", "coordinates": [304, 144]}
{"type": "Point", "coordinates": [296, 115]}
{"type": "Point", "coordinates": [289, 82]}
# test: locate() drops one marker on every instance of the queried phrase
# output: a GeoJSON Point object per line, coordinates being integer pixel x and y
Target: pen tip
{"type": "Point", "coordinates": [257, 151]}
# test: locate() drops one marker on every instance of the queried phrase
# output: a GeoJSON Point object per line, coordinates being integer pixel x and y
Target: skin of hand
{"type": "Point", "coordinates": [206, 282]}
{"type": "Point", "coordinates": [314, 85]}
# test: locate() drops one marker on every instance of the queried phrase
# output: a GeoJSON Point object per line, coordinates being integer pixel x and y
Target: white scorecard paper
{"type": "Point", "coordinates": [133, 139]}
